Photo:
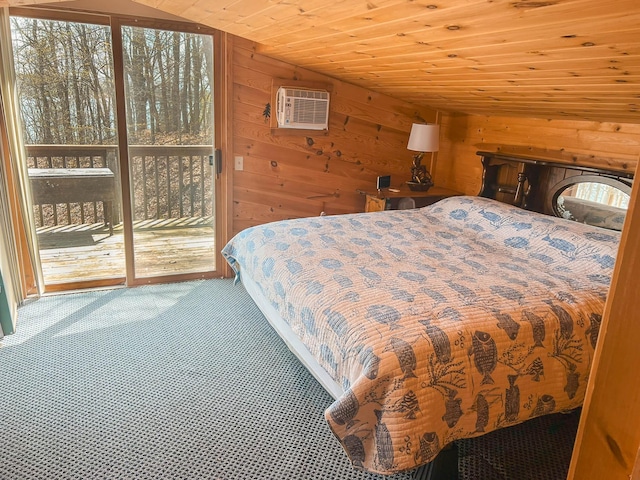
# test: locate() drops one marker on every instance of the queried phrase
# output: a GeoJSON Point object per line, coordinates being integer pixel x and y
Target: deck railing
{"type": "Point", "coordinates": [168, 181]}
{"type": "Point", "coordinates": [171, 181]}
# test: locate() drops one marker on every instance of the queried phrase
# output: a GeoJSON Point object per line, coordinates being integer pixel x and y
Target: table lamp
{"type": "Point", "coordinates": [423, 138]}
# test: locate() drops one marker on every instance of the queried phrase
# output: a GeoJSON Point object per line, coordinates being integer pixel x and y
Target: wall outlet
{"type": "Point", "coordinates": [238, 162]}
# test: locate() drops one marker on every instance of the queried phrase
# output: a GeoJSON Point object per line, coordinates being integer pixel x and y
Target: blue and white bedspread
{"type": "Point", "coordinates": [440, 323]}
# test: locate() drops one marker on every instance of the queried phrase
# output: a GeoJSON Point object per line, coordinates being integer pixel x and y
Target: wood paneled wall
{"type": "Point", "coordinates": [609, 144]}
{"type": "Point", "coordinates": [289, 175]}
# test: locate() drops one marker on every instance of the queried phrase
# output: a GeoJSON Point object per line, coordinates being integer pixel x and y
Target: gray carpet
{"type": "Point", "coordinates": [189, 381]}
{"type": "Point", "coordinates": [185, 380]}
{"type": "Point", "coordinates": [538, 449]}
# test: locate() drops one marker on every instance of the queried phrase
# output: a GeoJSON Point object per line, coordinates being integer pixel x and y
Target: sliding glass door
{"type": "Point", "coordinates": [119, 133]}
{"type": "Point", "coordinates": [169, 105]}
{"type": "Point", "coordinates": [65, 80]}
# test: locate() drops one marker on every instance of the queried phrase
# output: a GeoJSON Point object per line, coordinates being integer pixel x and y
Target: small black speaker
{"type": "Point", "coordinates": [383, 182]}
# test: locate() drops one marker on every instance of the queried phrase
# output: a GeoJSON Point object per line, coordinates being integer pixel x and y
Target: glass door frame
{"type": "Point", "coordinates": [123, 147]}
{"type": "Point", "coordinates": [222, 107]}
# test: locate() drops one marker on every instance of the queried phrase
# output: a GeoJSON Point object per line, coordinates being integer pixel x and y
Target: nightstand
{"type": "Point", "coordinates": [387, 200]}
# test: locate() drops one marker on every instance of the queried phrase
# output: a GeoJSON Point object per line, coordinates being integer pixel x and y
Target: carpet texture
{"type": "Point", "coordinates": [538, 449]}
{"type": "Point", "coordinates": [185, 380]}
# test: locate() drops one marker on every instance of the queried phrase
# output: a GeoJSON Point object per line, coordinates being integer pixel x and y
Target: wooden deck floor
{"type": "Point", "coordinates": [76, 253]}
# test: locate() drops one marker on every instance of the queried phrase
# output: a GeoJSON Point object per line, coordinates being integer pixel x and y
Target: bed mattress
{"type": "Point", "coordinates": [438, 323]}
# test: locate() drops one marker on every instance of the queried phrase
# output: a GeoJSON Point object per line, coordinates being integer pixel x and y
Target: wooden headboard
{"type": "Point", "coordinates": [532, 183]}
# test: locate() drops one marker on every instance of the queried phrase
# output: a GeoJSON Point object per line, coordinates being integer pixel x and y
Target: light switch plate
{"type": "Point", "coordinates": [238, 162]}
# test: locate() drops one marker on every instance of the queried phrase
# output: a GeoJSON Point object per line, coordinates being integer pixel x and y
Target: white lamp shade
{"type": "Point", "coordinates": [424, 137]}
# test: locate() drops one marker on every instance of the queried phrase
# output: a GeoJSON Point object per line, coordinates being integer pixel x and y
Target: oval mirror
{"type": "Point", "coordinates": [592, 199]}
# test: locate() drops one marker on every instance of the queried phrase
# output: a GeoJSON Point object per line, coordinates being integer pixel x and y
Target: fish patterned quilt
{"type": "Point", "coordinates": [440, 323]}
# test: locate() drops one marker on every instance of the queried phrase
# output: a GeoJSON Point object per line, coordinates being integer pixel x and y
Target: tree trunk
{"type": "Point", "coordinates": [186, 84]}
{"type": "Point", "coordinates": [138, 84]}
{"type": "Point", "coordinates": [126, 65]}
{"type": "Point", "coordinates": [81, 123]}
{"type": "Point", "coordinates": [196, 121]}
{"type": "Point", "coordinates": [151, 90]}
{"type": "Point", "coordinates": [159, 48]}
{"type": "Point", "coordinates": [175, 85]}
{"type": "Point", "coordinates": [40, 75]}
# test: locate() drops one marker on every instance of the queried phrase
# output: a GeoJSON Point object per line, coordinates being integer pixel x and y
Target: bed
{"type": "Point", "coordinates": [433, 324]}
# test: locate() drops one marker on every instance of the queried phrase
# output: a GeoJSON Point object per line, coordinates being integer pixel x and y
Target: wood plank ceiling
{"type": "Point", "coordinates": [572, 59]}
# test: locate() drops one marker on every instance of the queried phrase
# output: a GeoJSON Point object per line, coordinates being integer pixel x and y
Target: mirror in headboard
{"type": "Point", "coordinates": [561, 186]}
{"type": "Point", "coordinates": [593, 199]}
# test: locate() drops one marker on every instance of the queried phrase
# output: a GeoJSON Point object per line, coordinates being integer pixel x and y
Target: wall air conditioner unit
{"type": "Point", "coordinates": [302, 108]}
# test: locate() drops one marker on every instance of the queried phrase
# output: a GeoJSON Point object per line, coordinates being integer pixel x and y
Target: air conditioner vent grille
{"type": "Point", "coordinates": [302, 108]}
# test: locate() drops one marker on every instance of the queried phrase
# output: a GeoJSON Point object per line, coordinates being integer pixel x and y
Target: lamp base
{"type": "Point", "coordinates": [419, 187]}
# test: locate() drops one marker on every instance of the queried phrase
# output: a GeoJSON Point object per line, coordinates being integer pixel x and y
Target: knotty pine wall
{"type": "Point", "coordinates": [288, 175]}
{"type": "Point", "coordinates": [459, 167]}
